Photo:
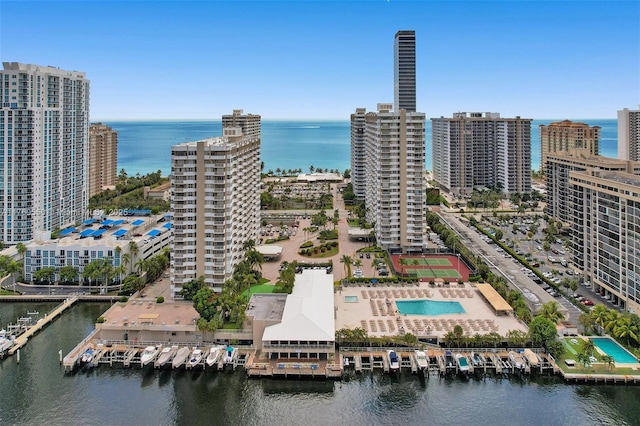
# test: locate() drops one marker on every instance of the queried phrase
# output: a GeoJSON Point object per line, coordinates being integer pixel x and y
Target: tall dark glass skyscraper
{"type": "Point", "coordinates": [405, 71]}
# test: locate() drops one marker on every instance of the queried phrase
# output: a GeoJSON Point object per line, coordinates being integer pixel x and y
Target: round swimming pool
{"type": "Point", "coordinates": [429, 307]}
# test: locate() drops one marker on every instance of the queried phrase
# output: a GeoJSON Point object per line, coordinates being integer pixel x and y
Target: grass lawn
{"type": "Point", "coordinates": [331, 252]}
{"type": "Point", "coordinates": [231, 326]}
{"type": "Point", "coordinates": [571, 349]}
{"type": "Point", "coordinates": [259, 288]}
{"type": "Point", "coordinates": [4, 292]}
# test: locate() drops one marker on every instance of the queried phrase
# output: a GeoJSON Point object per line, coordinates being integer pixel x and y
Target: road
{"type": "Point", "coordinates": [507, 267]}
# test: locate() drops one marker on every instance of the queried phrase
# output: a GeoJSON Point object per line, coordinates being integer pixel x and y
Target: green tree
{"type": "Point", "coordinates": [551, 310]}
{"type": "Point", "coordinates": [68, 273]}
{"type": "Point", "coordinates": [542, 330]}
{"type": "Point", "coordinates": [192, 287]}
{"type": "Point", "coordinates": [609, 360]}
{"type": "Point", "coordinates": [347, 262]}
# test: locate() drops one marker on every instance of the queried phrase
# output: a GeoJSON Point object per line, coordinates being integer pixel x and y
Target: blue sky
{"type": "Point", "coordinates": [147, 59]}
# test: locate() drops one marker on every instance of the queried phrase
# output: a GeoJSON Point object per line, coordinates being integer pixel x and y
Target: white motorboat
{"type": "Point", "coordinates": [531, 357]}
{"type": "Point", "coordinates": [422, 360]}
{"type": "Point", "coordinates": [463, 363]}
{"type": "Point", "coordinates": [517, 360]}
{"type": "Point", "coordinates": [229, 354]}
{"type": "Point", "coordinates": [6, 341]}
{"type": "Point", "coordinates": [165, 355]}
{"type": "Point", "coordinates": [214, 355]}
{"type": "Point", "coordinates": [195, 358]}
{"type": "Point", "coordinates": [180, 357]}
{"type": "Point", "coordinates": [87, 356]}
{"type": "Point", "coordinates": [477, 359]}
{"type": "Point", "coordinates": [149, 354]}
{"type": "Point", "coordinates": [394, 363]}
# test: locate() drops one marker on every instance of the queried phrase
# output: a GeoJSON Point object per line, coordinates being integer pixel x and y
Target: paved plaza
{"type": "Point", "coordinates": [374, 309]}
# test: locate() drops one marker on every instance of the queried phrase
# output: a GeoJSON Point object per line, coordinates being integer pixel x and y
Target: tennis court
{"type": "Point", "coordinates": [427, 261]}
{"type": "Point", "coordinates": [429, 266]}
{"type": "Point", "coordinates": [433, 273]}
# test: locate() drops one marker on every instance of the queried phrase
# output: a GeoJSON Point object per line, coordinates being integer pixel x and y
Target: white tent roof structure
{"type": "Point", "coordinates": [308, 311]}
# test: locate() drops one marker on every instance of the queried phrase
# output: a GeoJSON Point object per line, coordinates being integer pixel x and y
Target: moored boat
{"type": "Point", "coordinates": [421, 359]}
{"type": "Point", "coordinates": [165, 355]}
{"type": "Point", "coordinates": [6, 341]}
{"type": "Point", "coordinates": [463, 363]}
{"type": "Point", "coordinates": [87, 356]}
{"type": "Point", "coordinates": [229, 354]}
{"type": "Point", "coordinates": [180, 357]}
{"type": "Point", "coordinates": [517, 361]}
{"type": "Point", "coordinates": [149, 354]}
{"type": "Point", "coordinates": [477, 359]}
{"type": "Point", "coordinates": [533, 359]}
{"type": "Point", "coordinates": [195, 358]}
{"type": "Point", "coordinates": [214, 355]}
{"type": "Point", "coordinates": [394, 363]}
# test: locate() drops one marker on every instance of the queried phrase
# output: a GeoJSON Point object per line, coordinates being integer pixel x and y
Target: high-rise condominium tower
{"type": "Point", "coordinates": [405, 71]}
{"type": "Point", "coordinates": [44, 149]}
{"type": "Point", "coordinates": [629, 134]}
{"type": "Point", "coordinates": [566, 135]}
{"type": "Point", "coordinates": [215, 203]}
{"type": "Point", "coordinates": [358, 155]}
{"type": "Point", "coordinates": [395, 195]}
{"type": "Point", "coordinates": [474, 150]}
{"type": "Point", "coordinates": [103, 158]}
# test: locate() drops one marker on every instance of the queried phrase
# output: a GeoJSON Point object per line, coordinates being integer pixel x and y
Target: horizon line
{"type": "Point", "coordinates": [97, 120]}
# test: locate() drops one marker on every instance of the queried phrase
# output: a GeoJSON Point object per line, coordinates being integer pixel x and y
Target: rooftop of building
{"type": "Point", "coordinates": [623, 178]}
{"type": "Point", "coordinates": [569, 123]}
{"type": "Point", "coordinates": [119, 230]}
{"type": "Point", "coordinates": [140, 311]}
{"type": "Point", "coordinates": [267, 307]}
{"type": "Point", "coordinates": [584, 155]}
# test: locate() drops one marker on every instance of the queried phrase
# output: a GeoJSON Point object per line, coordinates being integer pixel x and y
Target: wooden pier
{"type": "Point", "coordinates": [40, 324]}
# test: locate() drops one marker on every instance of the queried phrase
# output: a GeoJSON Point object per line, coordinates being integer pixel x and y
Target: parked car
{"type": "Point", "coordinates": [368, 255]}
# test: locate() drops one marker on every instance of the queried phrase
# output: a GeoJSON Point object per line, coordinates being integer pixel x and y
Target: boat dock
{"type": "Point", "coordinates": [32, 329]}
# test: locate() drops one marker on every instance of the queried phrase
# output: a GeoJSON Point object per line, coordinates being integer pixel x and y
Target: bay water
{"type": "Point", "coordinates": [145, 146]}
{"type": "Point", "coordinates": [38, 392]}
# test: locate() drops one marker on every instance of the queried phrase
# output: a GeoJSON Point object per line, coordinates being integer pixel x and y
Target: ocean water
{"type": "Point", "coordinates": [145, 146]}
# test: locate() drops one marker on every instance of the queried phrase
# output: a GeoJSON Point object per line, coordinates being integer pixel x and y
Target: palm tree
{"type": "Point", "coordinates": [550, 310]}
{"type": "Point", "coordinates": [588, 347]}
{"type": "Point", "coordinates": [347, 262]}
{"type": "Point", "coordinates": [599, 315]}
{"type": "Point", "coordinates": [626, 328]}
{"type": "Point", "coordinates": [133, 249]}
{"type": "Point", "coordinates": [125, 259]}
{"type": "Point", "coordinates": [609, 360]}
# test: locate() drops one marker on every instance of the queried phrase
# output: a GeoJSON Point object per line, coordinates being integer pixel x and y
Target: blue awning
{"type": "Point", "coordinates": [167, 225]}
{"type": "Point", "coordinates": [86, 233]}
{"type": "Point", "coordinates": [120, 232]}
{"type": "Point", "coordinates": [154, 232]}
{"type": "Point", "coordinates": [119, 222]}
{"type": "Point", "coordinates": [137, 222]}
{"type": "Point", "coordinates": [66, 232]}
{"type": "Point", "coordinates": [98, 233]}
{"type": "Point", "coordinates": [107, 222]}
{"type": "Point", "coordinates": [89, 222]}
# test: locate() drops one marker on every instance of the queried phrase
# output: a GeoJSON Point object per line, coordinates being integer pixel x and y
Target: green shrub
{"type": "Point", "coordinates": [100, 320]}
{"type": "Point", "coordinates": [124, 299]}
{"type": "Point", "coordinates": [160, 299]}
{"type": "Point", "coordinates": [306, 244]}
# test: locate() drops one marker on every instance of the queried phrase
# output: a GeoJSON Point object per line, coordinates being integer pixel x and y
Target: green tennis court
{"type": "Point", "coordinates": [433, 273]}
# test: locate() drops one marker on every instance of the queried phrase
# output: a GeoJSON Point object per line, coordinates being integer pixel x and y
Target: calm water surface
{"type": "Point", "coordinates": [37, 392]}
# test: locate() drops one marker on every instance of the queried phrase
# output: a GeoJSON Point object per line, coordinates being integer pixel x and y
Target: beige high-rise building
{"type": "Point", "coordinates": [565, 135]}
{"type": "Point", "coordinates": [358, 157]}
{"type": "Point", "coordinates": [103, 158]}
{"type": "Point", "coordinates": [480, 150]}
{"type": "Point", "coordinates": [395, 192]}
{"type": "Point", "coordinates": [561, 164]}
{"type": "Point", "coordinates": [605, 217]}
{"type": "Point", "coordinates": [629, 134]}
{"type": "Point", "coordinates": [215, 203]}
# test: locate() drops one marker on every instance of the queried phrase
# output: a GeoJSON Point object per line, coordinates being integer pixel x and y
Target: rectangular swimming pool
{"type": "Point", "coordinates": [613, 349]}
{"type": "Point", "coordinates": [351, 299]}
{"type": "Point", "coordinates": [429, 307]}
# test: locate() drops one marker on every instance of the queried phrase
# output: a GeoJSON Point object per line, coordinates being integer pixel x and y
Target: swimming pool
{"type": "Point", "coordinates": [351, 299]}
{"type": "Point", "coordinates": [429, 307]}
{"type": "Point", "coordinates": [613, 349]}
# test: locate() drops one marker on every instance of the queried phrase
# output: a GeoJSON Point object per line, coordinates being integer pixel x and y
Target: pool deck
{"type": "Point", "coordinates": [376, 311]}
